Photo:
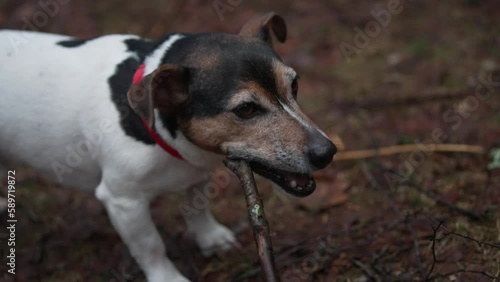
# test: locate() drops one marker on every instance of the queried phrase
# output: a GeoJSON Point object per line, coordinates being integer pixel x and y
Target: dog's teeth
{"type": "Point", "coordinates": [293, 184]}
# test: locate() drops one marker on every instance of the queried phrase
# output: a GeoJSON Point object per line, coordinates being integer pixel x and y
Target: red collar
{"type": "Point", "coordinates": [138, 75]}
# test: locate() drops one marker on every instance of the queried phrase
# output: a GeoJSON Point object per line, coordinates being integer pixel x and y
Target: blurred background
{"type": "Point", "coordinates": [373, 74]}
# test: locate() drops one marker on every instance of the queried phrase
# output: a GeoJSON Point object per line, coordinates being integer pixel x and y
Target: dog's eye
{"type": "Point", "coordinates": [295, 87]}
{"type": "Point", "coordinates": [247, 110]}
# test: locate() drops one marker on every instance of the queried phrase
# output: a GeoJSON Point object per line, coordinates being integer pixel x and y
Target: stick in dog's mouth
{"type": "Point", "coordinates": [296, 184]}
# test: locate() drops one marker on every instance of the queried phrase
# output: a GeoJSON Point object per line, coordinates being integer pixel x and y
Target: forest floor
{"type": "Point", "coordinates": [430, 74]}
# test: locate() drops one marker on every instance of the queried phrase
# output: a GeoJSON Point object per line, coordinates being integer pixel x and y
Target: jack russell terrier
{"type": "Point", "coordinates": [129, 118]}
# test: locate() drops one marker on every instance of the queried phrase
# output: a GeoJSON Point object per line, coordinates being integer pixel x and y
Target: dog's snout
{"type": "Point", "coordinates": [321, 150]}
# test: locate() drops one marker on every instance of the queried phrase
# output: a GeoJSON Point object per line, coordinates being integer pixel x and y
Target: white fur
{"type": "Point", "coordinates": [153, 60]}
{"type": "Point", "coordinates": [301, 121]}
{"type": "Point", "coordinates": [56, 114]}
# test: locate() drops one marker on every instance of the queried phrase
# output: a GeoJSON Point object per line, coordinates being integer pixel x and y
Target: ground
{"type": "Point", "coordinates": [373, 74]}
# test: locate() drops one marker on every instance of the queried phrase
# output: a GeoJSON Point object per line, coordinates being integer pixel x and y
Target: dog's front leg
{"type": "Point", "coordinates": [209, 233]}
{"type": "Point", "coordinates": [131, 217]}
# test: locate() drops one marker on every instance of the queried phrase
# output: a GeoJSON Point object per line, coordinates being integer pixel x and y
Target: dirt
{"type": "Point", "coordinates": [407, 217]}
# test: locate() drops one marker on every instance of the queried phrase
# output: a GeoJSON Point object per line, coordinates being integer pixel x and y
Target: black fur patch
{"type": "Point", "coordinates": [170, 123]}
{"type": "Point", "coordinates": [256, 68]}
{"type": "Point", "coordinates": [142, 47]}
{"type": "Point", "coordinates": [121, 82]}
{"type": "Point", "coordinates": [238, 61]}
{"type": "Point", "coordinates": [73, 43]}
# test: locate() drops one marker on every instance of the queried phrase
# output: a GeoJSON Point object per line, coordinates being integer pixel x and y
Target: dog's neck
{"type": "Point", "coordinates": [138, 75]}
{"type": "Point", "coordinates": [189, 152]}
{"type": "Point", "coordinates": [180, 147]}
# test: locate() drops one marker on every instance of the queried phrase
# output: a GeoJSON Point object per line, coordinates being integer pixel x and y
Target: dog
{"type": "Point", "coordinates": [129, 118]}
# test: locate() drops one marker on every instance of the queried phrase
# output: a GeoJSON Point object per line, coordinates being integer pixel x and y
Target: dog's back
{"type": "Point", "coordinates": [46, 90]}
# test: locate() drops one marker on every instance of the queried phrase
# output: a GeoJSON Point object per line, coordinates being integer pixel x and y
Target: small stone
{"type": "Point", "coordinates": [394, 59]}
{"type": "Point", "coordinates": [489, 65]}
{"type": "Point", "coordinates": [361, 279]}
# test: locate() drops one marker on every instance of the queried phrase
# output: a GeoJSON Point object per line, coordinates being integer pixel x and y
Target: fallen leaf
{"type": "Point", "coordinates": [327, 194]}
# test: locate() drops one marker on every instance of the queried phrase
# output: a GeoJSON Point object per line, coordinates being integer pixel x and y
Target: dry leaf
{"type": "Point", "coordinates": [327, 194]}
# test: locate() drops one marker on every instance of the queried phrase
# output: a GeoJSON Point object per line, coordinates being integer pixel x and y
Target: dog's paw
{"type": "Point", "coordinates": [179, 278]}
{"type": "Point", "coordinates": [164, 272]}
{"type": "Point", "coordinates": [218, 238]}
{"type": "Point", "coordinates": [176, 279]}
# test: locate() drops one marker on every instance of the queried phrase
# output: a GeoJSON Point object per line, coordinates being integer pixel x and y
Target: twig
{"type": "Point", "coordinates": [256, 217]}
{"type": "Point", "coordinates": [366, 270]}
{"type": "Point", "coordinates": [471, 214]}
{"type": "Point", "coordinates": [483, 273]}
{"type": "Point", "coordinates": [398, 149]}
{"type": "Point", "coordinates": [434, 235]}
{"type": "Point", "coordinates": [467, 237]}
{"type": "Point", "coordinates": [390, 197]}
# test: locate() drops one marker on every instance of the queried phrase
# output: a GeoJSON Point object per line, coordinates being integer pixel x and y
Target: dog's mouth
{"type": "Point", "coordinates": [296, 184]}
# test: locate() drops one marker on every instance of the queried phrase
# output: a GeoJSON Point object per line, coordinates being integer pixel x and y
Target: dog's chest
{"type": "Point", "coordinates": [172, 178]}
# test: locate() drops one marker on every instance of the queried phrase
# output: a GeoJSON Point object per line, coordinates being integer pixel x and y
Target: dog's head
{"type": "Point", "coordinates": [232, 95]}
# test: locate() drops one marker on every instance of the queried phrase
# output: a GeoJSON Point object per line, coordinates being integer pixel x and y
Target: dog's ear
{"type": "Point", "coordinates": [262, 26]}
{"type": "Point", "coordinates": [165, 89]}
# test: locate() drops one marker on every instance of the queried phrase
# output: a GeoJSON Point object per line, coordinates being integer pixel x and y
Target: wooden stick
{"type": "Point", "coordinates": [256, 217]}
{"type": "Point", "coordinates": [391, 150]}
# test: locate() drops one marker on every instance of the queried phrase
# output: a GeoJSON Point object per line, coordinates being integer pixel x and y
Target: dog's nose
{"type": "Point", "coordinates": [321, 150]}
